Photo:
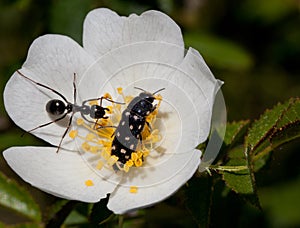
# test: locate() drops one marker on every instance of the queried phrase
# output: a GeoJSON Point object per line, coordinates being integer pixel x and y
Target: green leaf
{"type": "Point", "coordinates": [242, 181]}
{"type": "Point", "coordinates": [219, 52]}
{"type": "Point", "coordinates": [274, 128]}
{"type": "Point", "coordinates": [80, 215]}
{"type": "Point", "coordinates": [263, 126]}
{"type": "Point", "coordinates": [53, 209]}
{"type": "Point", "coordinates": [100, 213]}
{"type": "Point", "coordinates": [286, 134]}
{"type": "Point", "coordinates": [267, 13]}
{"type": "Point", "coordinates": [63, 210]}
{"type": "Point", "coordinates": [199, 199]}
{"type": "Point", "coordinates": [26, 225]}
{"type": "Point", "coordinates": [235, 131]}
{"type": "Point", "coordinates": [239, 181]}
{"type": "Point", "coordinates": [17, 199]}
{"type": "Point", "coordinates": [291, 114]}
{"type": "Point", "coordinates": [76, 218]}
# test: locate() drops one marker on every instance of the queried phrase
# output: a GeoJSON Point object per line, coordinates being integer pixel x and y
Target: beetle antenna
{"type": "Point", "coordinates": [147, 91]}
{"type": "Point", "coordinates": [140, 89]}
{"type": "Point", "coordinates": [159, 91]}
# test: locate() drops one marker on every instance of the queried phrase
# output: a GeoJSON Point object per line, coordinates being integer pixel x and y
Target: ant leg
{"type": "Point", "coordinates": [74, 88]}
{"type": "Point", "coordinates": [46, 124]}
{"type": "Point", "coordinates": [83, 117]}
{"type": "Point", "coordinates": [63, 136]}
{"type": "Point", "coordinates": [113, 133]}
{"type": "Point", "coordinates": [110, 126]}
{"type": "Point", "coordinates": [96, 122]}
{"type": "Point", "coordinates": [149, 125]}
{"type": "Point", "coordinates": [101, 98]}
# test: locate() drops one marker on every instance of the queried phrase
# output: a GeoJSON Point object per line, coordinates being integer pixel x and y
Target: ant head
{"type": "Point", "coordinates": [97, 112]}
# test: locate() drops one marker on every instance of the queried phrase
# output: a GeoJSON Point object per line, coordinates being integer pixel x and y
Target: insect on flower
{"type": "Point", "coordinates": [61, 108]}
{"type": "Point", "coordinates": [117, 52]}
{"type": "Point", "coordinates": [129, 131]}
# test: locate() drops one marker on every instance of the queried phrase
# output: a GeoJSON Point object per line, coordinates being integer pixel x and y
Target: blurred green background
{"type": "Point", "coordinates": [252, 45]}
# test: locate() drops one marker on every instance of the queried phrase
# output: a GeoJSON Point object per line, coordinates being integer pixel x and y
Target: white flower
{"type": "Point", "coordinates": [145, 51]}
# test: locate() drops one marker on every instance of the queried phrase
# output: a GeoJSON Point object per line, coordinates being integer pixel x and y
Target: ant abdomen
{"type": "Point", "coordinates": [55, 107]}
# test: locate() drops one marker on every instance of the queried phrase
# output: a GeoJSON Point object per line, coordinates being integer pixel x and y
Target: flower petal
{"type": "Point", "coordinates": [104, 30]}
{"type": "Point", "coordinates": [63, 174]}
{"type": "Point", "coordinates": [195, 78]}
{"type": "Point", "coordinates": [123, 199]}
{"type": "Point", "coordinates": [52, 60]}
{"type": "Point", "coordinates": [136, 44]}
{"type": "Point", "coordinates": [190, 75]}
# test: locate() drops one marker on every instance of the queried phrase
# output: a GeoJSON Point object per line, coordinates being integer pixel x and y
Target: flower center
{"type": "Point", "coordinates": [126, 138]}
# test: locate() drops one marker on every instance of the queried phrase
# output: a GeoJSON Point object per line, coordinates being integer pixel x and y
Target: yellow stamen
{"type": "Point", "coordinates": [100, 165]}
{"type": "Point", "coordinates": [79, 121]}
{"type": "Point", "coordinates": [104, 143]}
{"type": "Point", "coordinates": [158, 97]}
{"type": "Point", "coordinates": [89, 183]}
{"type": "Point", "coordinates": [85, 146]}
{"type": "Point", "coordinates": [133, 189]}
{"type": "Point", "coordinates": [94, 149]}
{"type": "Point", "coordinates": [134, 156]}
{"type": "Point", "coordinates": [105, 154]}
{"type": "Point", "coordinates": [129, 163]}
{"type": "Point", "coordinates": [127, 99]}
{"type": "Point", "coordinates": [90, 136]}
{"type": "Point", "coordinates": [126, 168]}
{"type": "Point", "coordinates": [140, 154]}
{"type": "Point", "coordinates": [108, 96]}
{"type": "Point", "coordinates": [103, 122]}
{"type": "Point", "coordinates": [138, 162]}
{"type": "Point", "coordinates": [105, 132]}
{"type": "Point", "coordinates": [112, 160]}
{"type": "Point", "coordinates": [145, 153]}
{"type": "Point", "coordinates": [73, 134]}
{"type": "Point", "coordinates": [120, 90]}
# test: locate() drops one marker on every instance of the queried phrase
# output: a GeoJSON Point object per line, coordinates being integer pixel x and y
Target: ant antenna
{"type": "Point", "coordinates": [47, 87]}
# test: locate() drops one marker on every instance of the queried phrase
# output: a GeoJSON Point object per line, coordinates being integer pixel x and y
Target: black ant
{"type": "Point", "coordinates": [61, 109]}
